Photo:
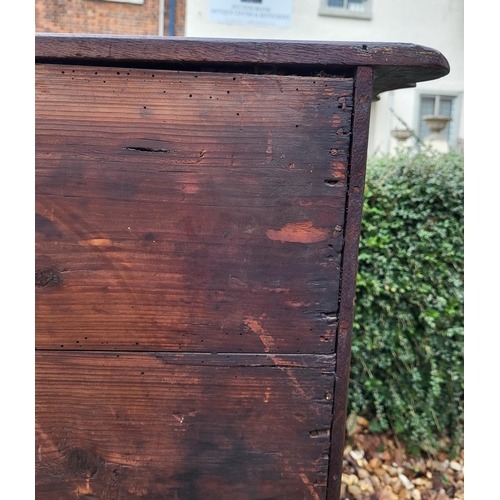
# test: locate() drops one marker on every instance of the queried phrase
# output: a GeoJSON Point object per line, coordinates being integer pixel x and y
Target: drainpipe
{"type": "Point", "coordinates": [171, 18]}
{"type": "Point", "coordinates": [161, 18]}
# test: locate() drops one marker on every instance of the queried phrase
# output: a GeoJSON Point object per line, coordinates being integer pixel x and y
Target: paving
{"type": "Point", "coordinates": [377, 467]}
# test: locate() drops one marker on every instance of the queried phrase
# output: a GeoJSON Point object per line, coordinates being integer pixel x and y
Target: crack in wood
{"type": "Point", "coordinates": [147, 150]}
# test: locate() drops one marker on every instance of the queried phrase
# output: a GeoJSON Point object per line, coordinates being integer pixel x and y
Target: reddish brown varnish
{"type": "Point", "coordinates": [197, 229]}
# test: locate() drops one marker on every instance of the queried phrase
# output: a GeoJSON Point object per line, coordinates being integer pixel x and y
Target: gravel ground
{"type": "Point", "coordinates": [376, 467]}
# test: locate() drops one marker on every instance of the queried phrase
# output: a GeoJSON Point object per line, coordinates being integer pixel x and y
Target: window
{"type": "Point", "coordinates": [438, 105]}
{"type": "Point", "coordinates": [360, 9]}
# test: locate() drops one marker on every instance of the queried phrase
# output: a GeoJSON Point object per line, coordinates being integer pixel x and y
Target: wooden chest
{"type": "Point", "coordinates": [198, 207]}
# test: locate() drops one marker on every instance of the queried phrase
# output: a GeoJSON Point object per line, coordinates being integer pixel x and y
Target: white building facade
{"type": "Point", "coordinates": [438, 24]}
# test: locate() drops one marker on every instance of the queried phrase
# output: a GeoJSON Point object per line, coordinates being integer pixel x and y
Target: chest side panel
{"type": "Point", "coordinates": [188, 257]}
{"type": "Point", "coordinates": [189, 211]}
{"type": "Point", "coordinates": [186, 427]}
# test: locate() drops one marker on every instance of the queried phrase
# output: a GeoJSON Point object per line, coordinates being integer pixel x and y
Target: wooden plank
{"type": "Point", "coordinates": [361, 120]}
{"type": "Point", "coordinates": [182, 426]}
{"type": "Point", "coordinates": [186, 211]}
{"type": "Point", "coordinates": [396, 65]}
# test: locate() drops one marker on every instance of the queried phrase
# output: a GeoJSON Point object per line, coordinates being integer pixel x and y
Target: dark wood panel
{"type": "Point", "coordinates": [361, 120]}
{"type": "Point", "coordinates": [396, 65]}
{"type": "Point", "coordinates": [192, 426]}
{"type": "Point", "coordinates": [189, 211]}
{"type": "Point", "coordinates": [199, 202]}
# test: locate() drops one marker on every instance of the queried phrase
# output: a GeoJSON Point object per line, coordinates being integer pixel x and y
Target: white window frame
{"type": "Point", "coordinates": [136, 2]}
{"type": "Point", "coordinates": [456, 113]}
{"type": "Point", "coordinates": [325, 10]}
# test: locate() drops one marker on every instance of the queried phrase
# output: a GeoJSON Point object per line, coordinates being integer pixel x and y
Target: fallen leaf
{"type": "Point", "coordinates": [437, 481]}
{"type": "Point", "coordinates": [369, 443]}
{"type": "Point", "coordinates": [398, 457]}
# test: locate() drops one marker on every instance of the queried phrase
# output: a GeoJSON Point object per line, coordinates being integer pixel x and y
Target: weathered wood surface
{"type": "Point", "coordinates": [360, 129]}
{"type": "Point", "coordinates": [396, 65]}
{"type": "Point", "coordinates": [189, 211]}
{"type": "Point", "coordinates": [198, 208]}
{"type": "Point", "coordinates": [187, 426]}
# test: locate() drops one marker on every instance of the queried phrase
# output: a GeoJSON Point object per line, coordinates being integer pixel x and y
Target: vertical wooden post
{"type": "Point", "coordinates": [354, 206]}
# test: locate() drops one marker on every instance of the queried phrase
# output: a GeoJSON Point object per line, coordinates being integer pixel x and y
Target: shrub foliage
{"type": "Point", "coordinates": [407, 353]}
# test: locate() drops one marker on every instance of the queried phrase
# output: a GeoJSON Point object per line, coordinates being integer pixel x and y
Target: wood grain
{"type": "Point", "coordinates": [198, 207]}
{"type": "Point", "coordinates": [187, 426]}
{"type": "Point", "coordinates": [395, 65]}
{"type": "Point", "coordinates": [361, 120]}
{"type": "Point", "coordinates": [183, 211]}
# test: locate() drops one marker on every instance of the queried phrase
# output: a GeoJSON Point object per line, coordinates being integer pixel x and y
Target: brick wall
{"type": "Point", "coordinates": [104, 17]}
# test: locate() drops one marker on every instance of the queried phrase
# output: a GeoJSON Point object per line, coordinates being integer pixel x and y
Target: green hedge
{"type": "Point", "coordinates": [407, 353]}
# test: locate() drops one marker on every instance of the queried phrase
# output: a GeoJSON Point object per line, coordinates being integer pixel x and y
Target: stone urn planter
{"type": "Point", "coordinates": [401, 135]}
{"type": "Point", "coordinates": [436, 123]}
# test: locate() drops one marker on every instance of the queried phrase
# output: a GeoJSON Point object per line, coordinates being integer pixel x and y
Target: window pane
{"type": "Point", "coordinates": [357, 5]}
{"type": "Point", "coordinates": [426, 108]}
{"type": "Point", "coordinates": [339, 4]}
{"type": "Point", "coordinates": [446, 109]}
{"type": "Point", "coordinates": [445, 106]}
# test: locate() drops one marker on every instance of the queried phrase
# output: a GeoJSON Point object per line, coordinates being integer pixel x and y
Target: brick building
{"type": "Point", "coordinates": [119, 17]}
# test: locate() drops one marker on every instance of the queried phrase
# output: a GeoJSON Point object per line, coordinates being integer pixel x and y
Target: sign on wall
{"type": "Point", "coordinates": [253, 12]}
